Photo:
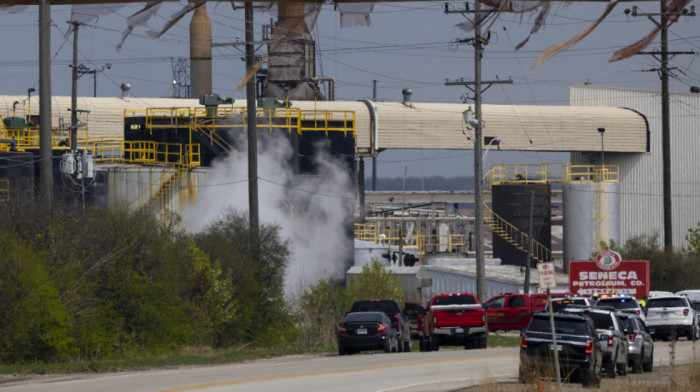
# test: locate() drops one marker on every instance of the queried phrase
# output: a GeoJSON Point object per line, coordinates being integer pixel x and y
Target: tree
{"type": "Point", "coordinates": [376, 282]}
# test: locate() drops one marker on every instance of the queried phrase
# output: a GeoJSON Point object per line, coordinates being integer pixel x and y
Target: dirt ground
{"type": "Point", "coordinates": [682, 378]}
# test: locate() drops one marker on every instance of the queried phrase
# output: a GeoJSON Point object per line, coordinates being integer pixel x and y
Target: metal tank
{"type": "Point", "coordinates": [511, 202]}
{"type": "Point", "coordinates": [591, 214]}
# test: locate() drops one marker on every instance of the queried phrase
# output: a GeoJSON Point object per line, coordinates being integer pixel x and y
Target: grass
{"type": "Point", "coordinates": [142, 361]}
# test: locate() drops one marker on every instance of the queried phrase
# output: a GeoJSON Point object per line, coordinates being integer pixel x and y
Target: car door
{"type": "Point", "coordinates": [515, 311]}
{"type": "Point", "coordinates": [495, 312]}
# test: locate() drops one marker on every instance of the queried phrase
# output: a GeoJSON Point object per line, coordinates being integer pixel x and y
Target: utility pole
{"type": "Point", "coordinates": [252, 128]}
{"type": "Point", "coordinates": [74, 90]}
{"type": "Point", "coordinates": [46, 163]}
{"type": "Point", "coordinates": [374, 155]}
{"type": "Point", "coordinates": [526, 288]}
{"type": "Point", "coordinates": [478, 42]}
{"type": "Point", "coordinates": [666, 20]}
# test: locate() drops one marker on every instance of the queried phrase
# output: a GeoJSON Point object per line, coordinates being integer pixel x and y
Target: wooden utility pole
{"type": "Point", "coordinates": [74, 91]}
{"type": "Point", "coordinates": [252, 128]}
{"type": "Point", "coordinates": [45, 152]}
{"type": "Point", "coordinates": [478, 42]}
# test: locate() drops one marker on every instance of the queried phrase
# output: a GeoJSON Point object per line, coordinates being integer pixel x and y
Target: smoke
{"type": "Point", "coordinates": [312, 211]}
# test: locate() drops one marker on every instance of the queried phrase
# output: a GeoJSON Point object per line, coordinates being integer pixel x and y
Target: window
{"type": "Point", "coordinates": [455, 300]}
{"type": "Point", "coordinates": [497, 302]}
{"type": "Point", "coordinates": [666, 303]}
{"type": "Point", "coordinates": [516, 301]}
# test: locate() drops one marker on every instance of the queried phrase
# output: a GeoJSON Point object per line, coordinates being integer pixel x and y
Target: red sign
{"type": "Point", "coordinates": [630, 277]}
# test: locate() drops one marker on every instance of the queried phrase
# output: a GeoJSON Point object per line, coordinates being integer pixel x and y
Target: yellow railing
{"type": "Point", "coordinates": [285, 118]}
{"type": "Point", "coordinates": [515, 236]}
{"type": "Point", "coordinates": [4, 189]}
{"type": "Point", "coordinates": [551, 172]}
{"type": "Point", "coordinates": [28, 137]}
{"type": "Point", "coordinates": [144, 152]}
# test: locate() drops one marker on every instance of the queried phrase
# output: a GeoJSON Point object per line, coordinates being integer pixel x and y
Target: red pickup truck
{"type": "Point", "coordinates": [452, 319]}
{"type": "Point", "coordinates": [513, 311]}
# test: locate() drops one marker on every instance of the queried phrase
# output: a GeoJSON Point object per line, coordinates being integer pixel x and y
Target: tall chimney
{"type": "Point", "coordinates": [200, 52]}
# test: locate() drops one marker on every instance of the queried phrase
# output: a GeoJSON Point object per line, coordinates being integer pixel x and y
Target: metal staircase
{"type": "Point", "coordinates": [514, 236]}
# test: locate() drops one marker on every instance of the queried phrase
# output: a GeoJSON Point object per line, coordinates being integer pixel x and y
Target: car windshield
{"type": "Point", "coordinates": [455, 300]}
{"type": "Point", "coordinates": [363, 317]}
{"type": "Point", "coordinates": [665, 303]}
{"type": "Point", "coordinates": [572, 327]}
{"type": "Point", "coordinates": [619, 303]}
{"type": "Point", "coordinates": [627, 323]}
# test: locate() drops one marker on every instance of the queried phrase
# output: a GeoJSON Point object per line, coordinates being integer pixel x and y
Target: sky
{"type": "Point", "coordinates": [406, 45]}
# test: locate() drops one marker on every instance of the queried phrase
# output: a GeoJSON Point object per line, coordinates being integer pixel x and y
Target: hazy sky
{"type": "Point", "coordinates": [406, 46]}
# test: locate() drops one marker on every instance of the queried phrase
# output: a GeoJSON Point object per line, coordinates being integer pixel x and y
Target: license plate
{"type": "Point", "coordinates": [651, 330]}
{"type": "Point", "coordinates": [665, 314]}
{"type": "Point", "coordinates": [551, 347]}
{"type": "Point", "coordinates": [362, 331]}
{"type": "Point", "coordinates": [459, 330]}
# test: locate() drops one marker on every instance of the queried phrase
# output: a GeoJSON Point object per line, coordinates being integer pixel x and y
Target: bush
{"type": "Point", "coordinates": [33, 323]}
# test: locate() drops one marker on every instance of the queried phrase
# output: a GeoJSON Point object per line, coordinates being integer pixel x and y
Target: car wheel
{"type": "Point", "coordinates": [341, 350]}
{"type": "Point", "coordinates": [399, 345]}
{"type": "Point", "coordinates": [637, 364]}
{"type": "Point", "coordinates": [407, 345]}
{"type": "Point", "coordinates": [622, 368]}
{"type": "Point", "coordinates": [482, 341]}
{"type": "Point", "coordinates": [648, 365]}
{"type": "Point", "coordinates": [388, 346]}
{"type": "Point", "coordinates": [521, 375]}
{"type": "Point", "coordinates": [423, 345]}
{"type": "Point", "coordinates": [610, 368]}
{"type": "Point", "coordinates": [434, 342]}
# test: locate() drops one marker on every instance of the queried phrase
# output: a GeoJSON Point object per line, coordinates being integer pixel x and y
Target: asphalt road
{"type": "Point", "coordinates": [445, 370]}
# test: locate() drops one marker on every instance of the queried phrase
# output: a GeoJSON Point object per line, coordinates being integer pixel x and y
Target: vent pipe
{"type": "Point", "coordinates": [407, 96]}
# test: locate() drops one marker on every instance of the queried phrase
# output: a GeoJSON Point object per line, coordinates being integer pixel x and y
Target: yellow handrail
{"type": "Point", "coordinates": [550, 173]}
{"type": "Point", "coordinates": [514, 236]}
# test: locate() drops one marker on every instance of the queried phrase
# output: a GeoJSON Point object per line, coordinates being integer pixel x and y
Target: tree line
{"type": "Point", "coordinates": [82, 284]}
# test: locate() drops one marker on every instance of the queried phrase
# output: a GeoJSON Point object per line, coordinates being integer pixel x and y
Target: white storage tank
{"type": "Point", "coordinates": [591, 214]}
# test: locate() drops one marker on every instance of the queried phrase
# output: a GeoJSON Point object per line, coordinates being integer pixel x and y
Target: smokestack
{"type": "Point", "coordinates": [200, 52]}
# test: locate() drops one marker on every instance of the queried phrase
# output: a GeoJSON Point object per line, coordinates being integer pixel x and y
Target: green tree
{"type": "Point", "coordinates": [33, 323]}
{"type": "Point", "coordinates": [376, 282]}
{"type": "Point", "coordinates": [257, 274]}
{"type": "Point", "coordinates": [319, 309]}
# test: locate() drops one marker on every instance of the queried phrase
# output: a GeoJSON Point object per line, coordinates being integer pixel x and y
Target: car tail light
{"type": "Point", "coordinates": [611, 340]}
{"type": "Point", "coordinates": [342, 330]}
{"type": "Point", "coordinates": [381, 328]}
{"type": "Point", "coordinates": [685, 311]}
{"type": "Point", "coordinates": [589, 346]}
{"type": "Point", "coordinates": [638, 312]}
{"type": "Point", "coordinates": [397, 321]}
{"type": "Point", "coordinates": [523, 342]}
{"type": "Point", "coordinates": [632, 337]}
{"type": "Point", "coordinates": [645, 314]}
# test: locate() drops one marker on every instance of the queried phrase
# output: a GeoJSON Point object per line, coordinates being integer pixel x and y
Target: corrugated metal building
{"type": "Point", "coordinates": [641, 174]}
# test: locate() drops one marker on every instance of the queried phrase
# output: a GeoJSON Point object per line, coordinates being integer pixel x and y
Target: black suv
{"type": "Point", "coordinates": [392, 308]}
{"type": "Point", "coordinates": [580, 354]}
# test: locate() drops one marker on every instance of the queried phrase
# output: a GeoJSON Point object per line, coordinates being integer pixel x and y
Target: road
{"type": "Point", "coordinates": [444, 370]}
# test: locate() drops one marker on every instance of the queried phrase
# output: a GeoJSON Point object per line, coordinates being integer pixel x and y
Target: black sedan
{"type": "Point", "coordinates": [366, 331]}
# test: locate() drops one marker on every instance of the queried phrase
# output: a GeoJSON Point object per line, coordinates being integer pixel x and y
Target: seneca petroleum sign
{"type": "Point", "coordinates": [609, 274]}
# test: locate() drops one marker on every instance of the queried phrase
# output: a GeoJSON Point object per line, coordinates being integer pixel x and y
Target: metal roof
{"type": "Point", "coordinates": [408, 126]}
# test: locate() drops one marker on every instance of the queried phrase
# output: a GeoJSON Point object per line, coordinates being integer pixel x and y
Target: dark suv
{"type": "Point", "coordinates": [392, 308]}
{"type": "Point", "coordinates": [579, 353]}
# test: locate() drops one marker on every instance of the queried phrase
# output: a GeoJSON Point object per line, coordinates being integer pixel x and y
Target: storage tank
{"type": "Point", "coordinates": [591, 214]}
{"type": "Point", "coordinates": [512, 203]}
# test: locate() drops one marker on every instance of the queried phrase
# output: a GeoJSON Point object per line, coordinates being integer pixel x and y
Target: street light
{"type": "Point", "coordinates": [29, 103]}
{"type": "Point", "coordinates": [489, 141]}
{"type": "Point", "coordinates": [602, 153]}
